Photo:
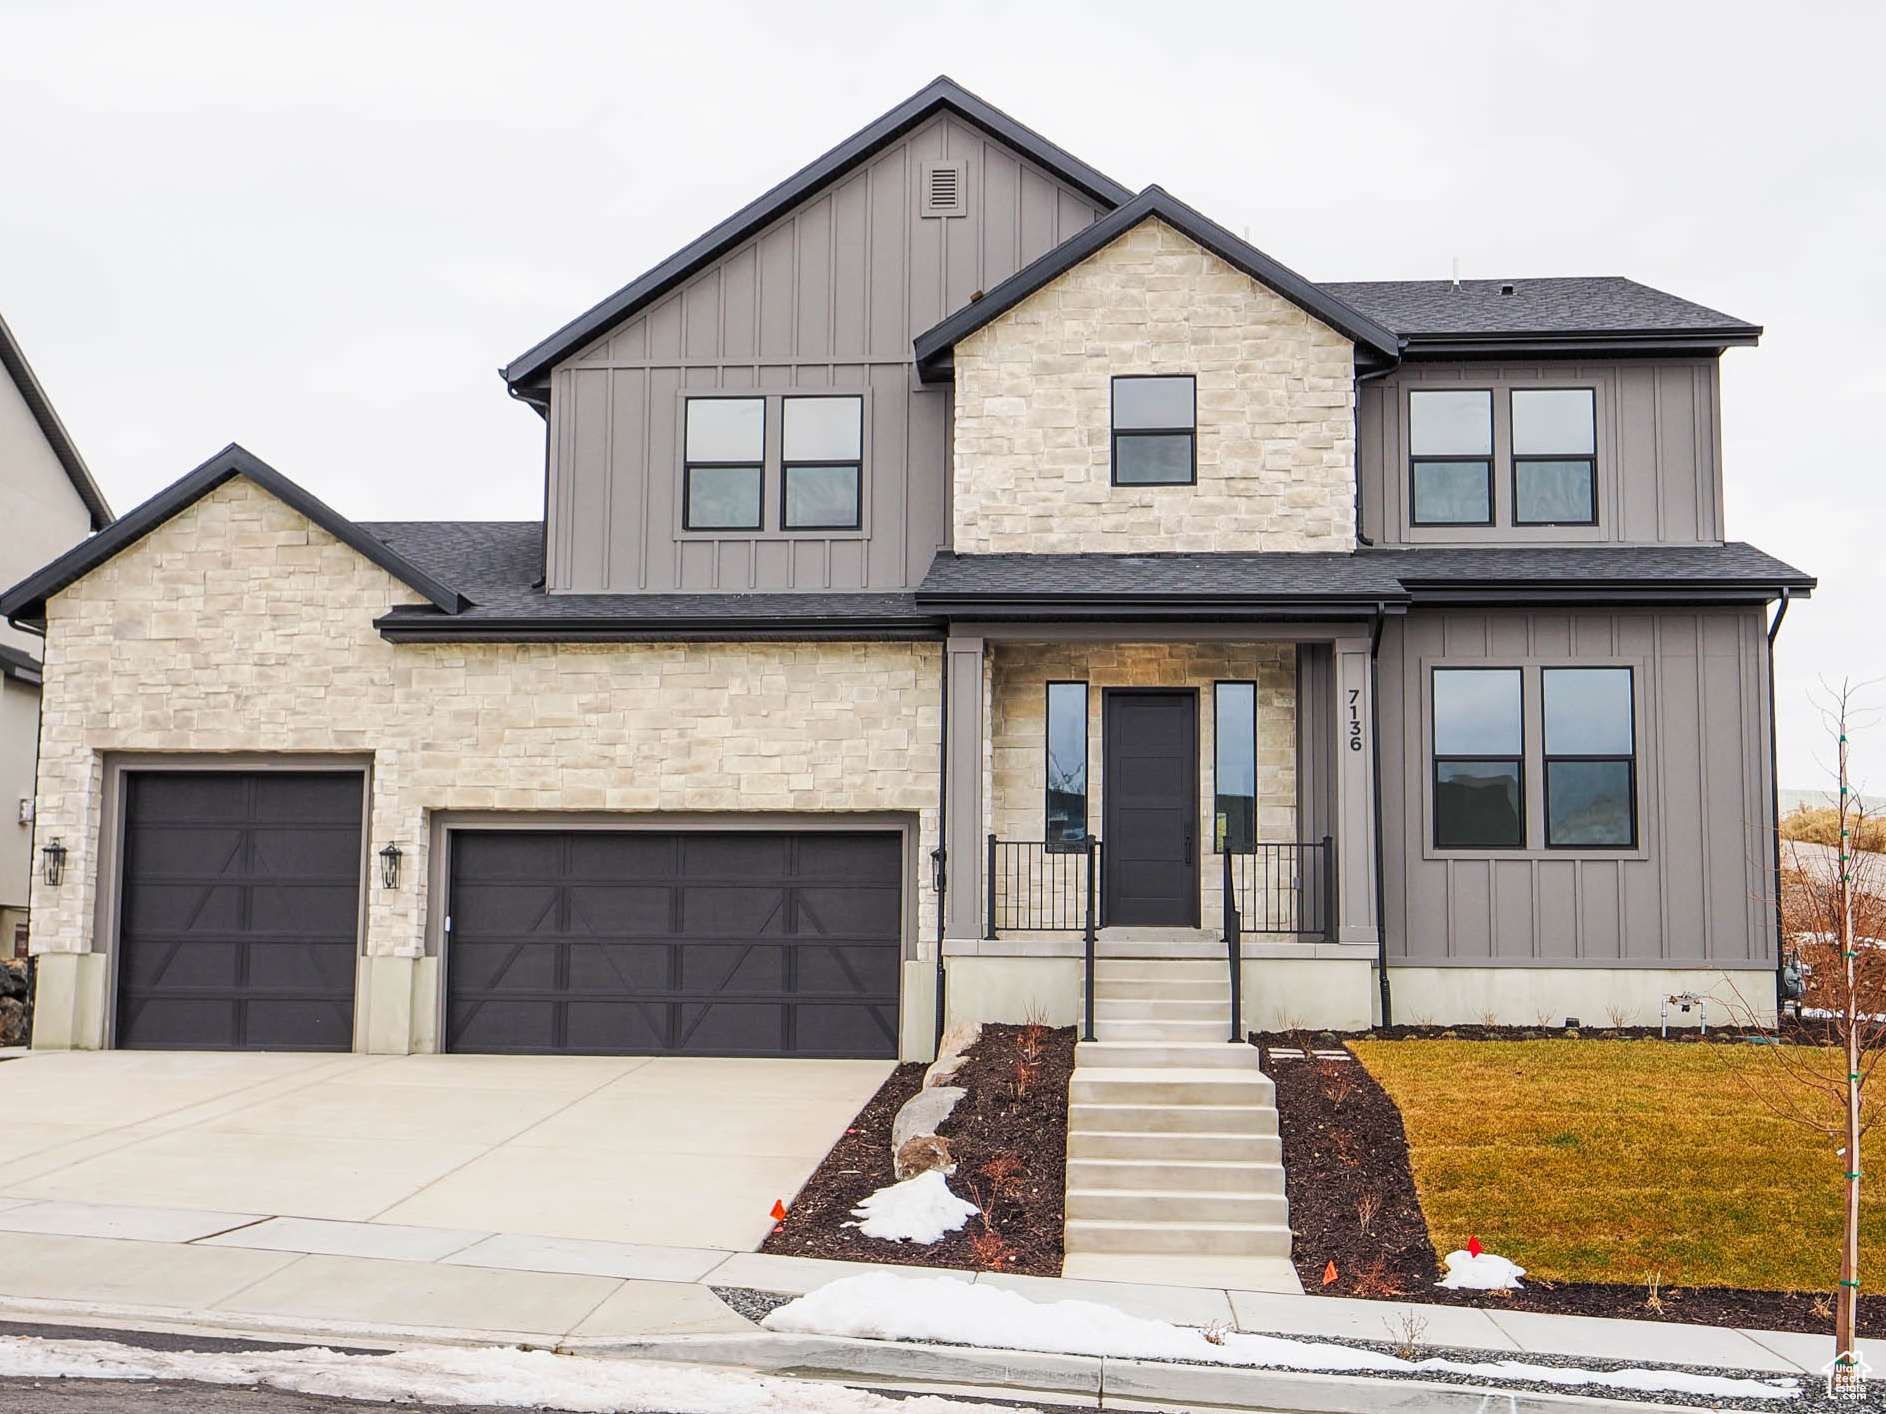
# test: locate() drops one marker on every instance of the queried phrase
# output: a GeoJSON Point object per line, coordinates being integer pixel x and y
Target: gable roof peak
{"type": "Point", "coordinates": [1375, 343]}
{"type": "Point", "coordinates": [25, 603]}
{"type": "Point", "coordinates": [528, 374]}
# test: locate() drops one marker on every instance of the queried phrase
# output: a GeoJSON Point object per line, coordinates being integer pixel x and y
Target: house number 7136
{"type": "Point", "coordinates": [1355, 719]}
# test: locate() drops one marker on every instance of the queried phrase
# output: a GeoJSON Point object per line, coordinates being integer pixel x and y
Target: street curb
{"type": "Point", "coordinates": [1098, 1377]}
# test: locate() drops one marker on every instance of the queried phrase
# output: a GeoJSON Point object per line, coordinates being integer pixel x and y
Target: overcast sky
{"type": "Point", "coordinates": [319, 229]}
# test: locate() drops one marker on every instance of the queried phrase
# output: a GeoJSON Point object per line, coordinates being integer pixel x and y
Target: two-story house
{"type": "Point", "coordinates": [949, 548]}
{"type": "Point", "coordinates": [48, 503]}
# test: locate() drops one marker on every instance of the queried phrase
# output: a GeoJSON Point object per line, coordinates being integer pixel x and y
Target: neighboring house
{"type": "Point", "coordinates": [946, 509]}
{"type": "Point", "coordinates": [48, 503]}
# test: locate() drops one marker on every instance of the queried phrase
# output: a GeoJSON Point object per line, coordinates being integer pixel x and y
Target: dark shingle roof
{"type": "Point", "coordinates": [1218, 582]}
{"type": "Point", "coordinates": [498, 565]}
{"type": "Point", "coordinates": [1734, 569]}
{"type": "Point", "coordinates": [1560, 307]}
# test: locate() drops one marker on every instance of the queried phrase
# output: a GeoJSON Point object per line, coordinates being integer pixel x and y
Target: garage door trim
{"type": "Point", "coordinates": [108, 880]}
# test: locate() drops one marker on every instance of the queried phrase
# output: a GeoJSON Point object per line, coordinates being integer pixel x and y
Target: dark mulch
{"type": "Point", "coordinates": [992, 1122]}
{"type": "Point", "coordinates": [1335, 1153]}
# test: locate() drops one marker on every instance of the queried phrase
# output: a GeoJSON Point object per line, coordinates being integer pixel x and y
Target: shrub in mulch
{"type": "Point", "coordinates": [1353, 1202]}
{"type": "Point", "coordinates": [1008, 1138]}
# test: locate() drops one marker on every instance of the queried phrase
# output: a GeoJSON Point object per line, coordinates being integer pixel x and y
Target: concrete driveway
{"type": "Point", "coordinates": [675, 1152]}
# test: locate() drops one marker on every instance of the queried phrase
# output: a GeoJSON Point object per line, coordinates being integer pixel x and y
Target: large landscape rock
{"type": "Point", "coordinates": [922, 1113]}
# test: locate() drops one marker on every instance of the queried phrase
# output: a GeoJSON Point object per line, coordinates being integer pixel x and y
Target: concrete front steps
{"type": "Point", "coordinates": [1174, 1166]}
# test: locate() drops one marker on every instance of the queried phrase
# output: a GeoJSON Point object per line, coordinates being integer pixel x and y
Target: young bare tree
{"type": "Point", "coordinates": [1833, 908]}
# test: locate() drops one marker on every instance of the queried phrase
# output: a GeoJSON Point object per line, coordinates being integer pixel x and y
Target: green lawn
{"type": "Point", "coordinates": [1610, 1160]}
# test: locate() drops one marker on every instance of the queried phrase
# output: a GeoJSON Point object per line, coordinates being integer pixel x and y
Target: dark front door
{"type": "Point", "coordinates": [240, 910]}
{"type": "Point", "coordinates": [689, 942]}
{"type": "Point", "coordinates": [1150, 783]}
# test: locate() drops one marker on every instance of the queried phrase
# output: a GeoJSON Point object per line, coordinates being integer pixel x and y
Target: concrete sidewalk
{"type": "Point", "coordinates": [280, 1276]}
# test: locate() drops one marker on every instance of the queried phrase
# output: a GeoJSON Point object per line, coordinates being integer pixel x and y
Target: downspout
{"type": "Point", "coordinates": [1774, 805]}
{"type": "Point", "coordinates": [1375, 772]}
{"type": "Point", "coordinates": [939, 857]}
{"type": "Point", "coordinates": [1362, 378]}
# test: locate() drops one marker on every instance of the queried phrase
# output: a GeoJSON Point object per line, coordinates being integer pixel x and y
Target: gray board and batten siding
{"type": "Point", "coordinates": [1693, 891]}
{"type": "Point", "coordinates": [825, 299]}
{"type": "Point", "coordinates": [1659, 479]}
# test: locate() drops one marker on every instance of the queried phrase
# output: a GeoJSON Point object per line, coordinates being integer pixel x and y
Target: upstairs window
{"type": "Point", "coordinates": [1590, 759]}
{"type": "Point", "coordinates": [1451, 436]}
{"type": "Point", "coordinates": [1234, 767]}
{"type": "Point", "coordinates": [1555, 451]}
{"type": "Point", "coordinates": [1479, 759]}
{"type": "Point", "coordinates": [724, 473]}
{"type": "Point", "coordinates": [1067, 766]}
{"type": "Point", "coordinates": [822, 463]}
{"type": "Point", "coordinates": [1155, 431]}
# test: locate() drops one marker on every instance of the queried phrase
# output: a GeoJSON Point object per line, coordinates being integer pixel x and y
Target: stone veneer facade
{"type": "Point", "coordinates": [1016, 765]}
{"type": "Point", "coordinates": [1276, 430]}
{"type": "Point", "coordinates": [239, 626]}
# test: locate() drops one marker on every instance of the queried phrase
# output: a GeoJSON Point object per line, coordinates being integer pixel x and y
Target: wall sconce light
{"type": "Point", "coordinates": [389, 867]}
{"type": "Point", "coordinates": [55, 861]}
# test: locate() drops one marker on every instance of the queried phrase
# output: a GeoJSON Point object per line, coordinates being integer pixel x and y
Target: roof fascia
{"type": "Point", "coordinates": [423, 626]}
{"type": "Point", "coordinates": [25, 603]}
{"type": "Point", "coordinates": [532, 367]}
{"type": "Point", "coordinates": [13, 360]}
{"type": "Point", "coordinates": [1369, 337]}
{"type": "Point", "coordinates": [1618, 342]}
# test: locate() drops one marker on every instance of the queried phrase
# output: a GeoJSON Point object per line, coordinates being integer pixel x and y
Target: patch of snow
{"type": "Point", "coordinates": [528, 1379]}
{"type": "Point", "coordinates": [881, 1307]}
{"type": "Point", "coordinates": [919, 1209]}
{"type": "Point", "coordinates": [1485, 1272]}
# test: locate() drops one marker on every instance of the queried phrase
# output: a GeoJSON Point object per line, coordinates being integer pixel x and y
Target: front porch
{"type": "Point", "coordinates": [1159, 793]}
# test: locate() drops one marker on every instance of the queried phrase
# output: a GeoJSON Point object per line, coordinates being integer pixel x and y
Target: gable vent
{"type": "Point", "coordinates": [946, 189]}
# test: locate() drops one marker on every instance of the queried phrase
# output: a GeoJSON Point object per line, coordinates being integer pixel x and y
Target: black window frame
{"type": "Point", "coordinates": [1222, 846]}
{"type": "Point", "coordinates": [786, 468]}
{"type": "Point", "coordinates": [1490, 461]}
{"type": "Point", "coordinates": [688, 466]}
{"type": "Point", "coordinates": [1066, 844]}
{"type": "Point", "coordinates": [1548, 757]}
{"type": "Point", "coordinates": [1116, 433]}
{"type": "Point", "coordinates": [1436, 759]}
{"type": "Point", "coordinates": [1590, 459]}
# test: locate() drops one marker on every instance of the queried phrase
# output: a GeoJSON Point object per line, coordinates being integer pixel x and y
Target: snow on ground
{"type": "Point", "coordinates": [886, 1307]}
{"type": "Point", "coordinates": [1482, 1271]}
{"type": "Point", "coordinates": [919, 1209]}
{"type": "Point", "coordinates": [531, 1379]}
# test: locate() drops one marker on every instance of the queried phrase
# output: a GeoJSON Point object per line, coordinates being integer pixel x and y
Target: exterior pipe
{"type": "Point", "coordinates": [1375, 773]}
{"type": "Point", "coordinates": [939, 857]}
{"type": "Point", "coordinates": [1774, 805]}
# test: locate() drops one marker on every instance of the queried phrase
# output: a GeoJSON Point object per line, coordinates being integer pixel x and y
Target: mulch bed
{"type": "Point", "coordinates": [992, 1123]}
{"type": "Point", "coordinates": [1343, 1139]}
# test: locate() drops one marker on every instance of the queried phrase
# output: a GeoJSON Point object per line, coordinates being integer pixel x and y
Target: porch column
{"type": "Point", "coordinates": [963, 832]}
{"type": "Point", "coordinates": [1355, 830]}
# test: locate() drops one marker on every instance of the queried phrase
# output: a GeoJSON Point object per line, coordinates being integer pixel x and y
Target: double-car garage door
{"type": "Point", "coordinates": [241, 898]}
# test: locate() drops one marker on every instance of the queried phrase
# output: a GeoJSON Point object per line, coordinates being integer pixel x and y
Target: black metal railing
{"type": "Point", "coordinates": [1031, 888]}
{"type": "Point", "coordinates": [1234, 939]}
{"type": "Point", "coordinates": [1283, 888]}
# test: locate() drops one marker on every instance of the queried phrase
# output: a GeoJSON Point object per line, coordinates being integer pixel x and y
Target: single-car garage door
{"type": "Point", "coordinates": [239, 917]}
{"type": "Point", "coordinates": [642, 943]}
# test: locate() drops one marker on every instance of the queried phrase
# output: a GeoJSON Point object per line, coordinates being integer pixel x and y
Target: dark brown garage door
{"type": "Point", "coordinates": [240, 911]}
{"type": "Point", "coordinates": [748, 944]}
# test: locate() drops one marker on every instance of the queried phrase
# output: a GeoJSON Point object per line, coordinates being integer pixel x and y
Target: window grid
{"type": "Point", "coordinates": [1445, 834]}
{"type": "Point", "coordinates": [1119, 434]}
{"type": "Point", "coordinates": [691, 464]}
{"type": "Point", "coordinates": [854, 464]}
{"type": "Point", "coordinates": [1515, 462]}
{"type": "Point", "coordinates": [1525, 460]}
{"type": "Point", "coordinates": [1627, 760]}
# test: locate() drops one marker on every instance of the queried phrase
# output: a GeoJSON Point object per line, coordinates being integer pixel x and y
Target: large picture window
{"type": "Point", "coordinates": [1155, 431]}
{"type": "Point", "coordinates": [1590, 759]}
{"type": "Point", "coordinates": [724, 472]}
{"type": "Point", "coordinates": [1555, 450]}
{"type": "Point", "coordinates": [1234, 770]}
{"type": "Point", "coordinates": [1450, 433]}
{"type": "Point", "coordinates": [1067, 766]}
{"type": "Point", "coordinates": [1479, 759]}
{"type": "Point", "coordinates": [822, 463]}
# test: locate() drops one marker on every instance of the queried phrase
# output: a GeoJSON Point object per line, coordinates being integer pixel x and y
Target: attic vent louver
{"type": "Point", "coordinates": [946, 189]}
